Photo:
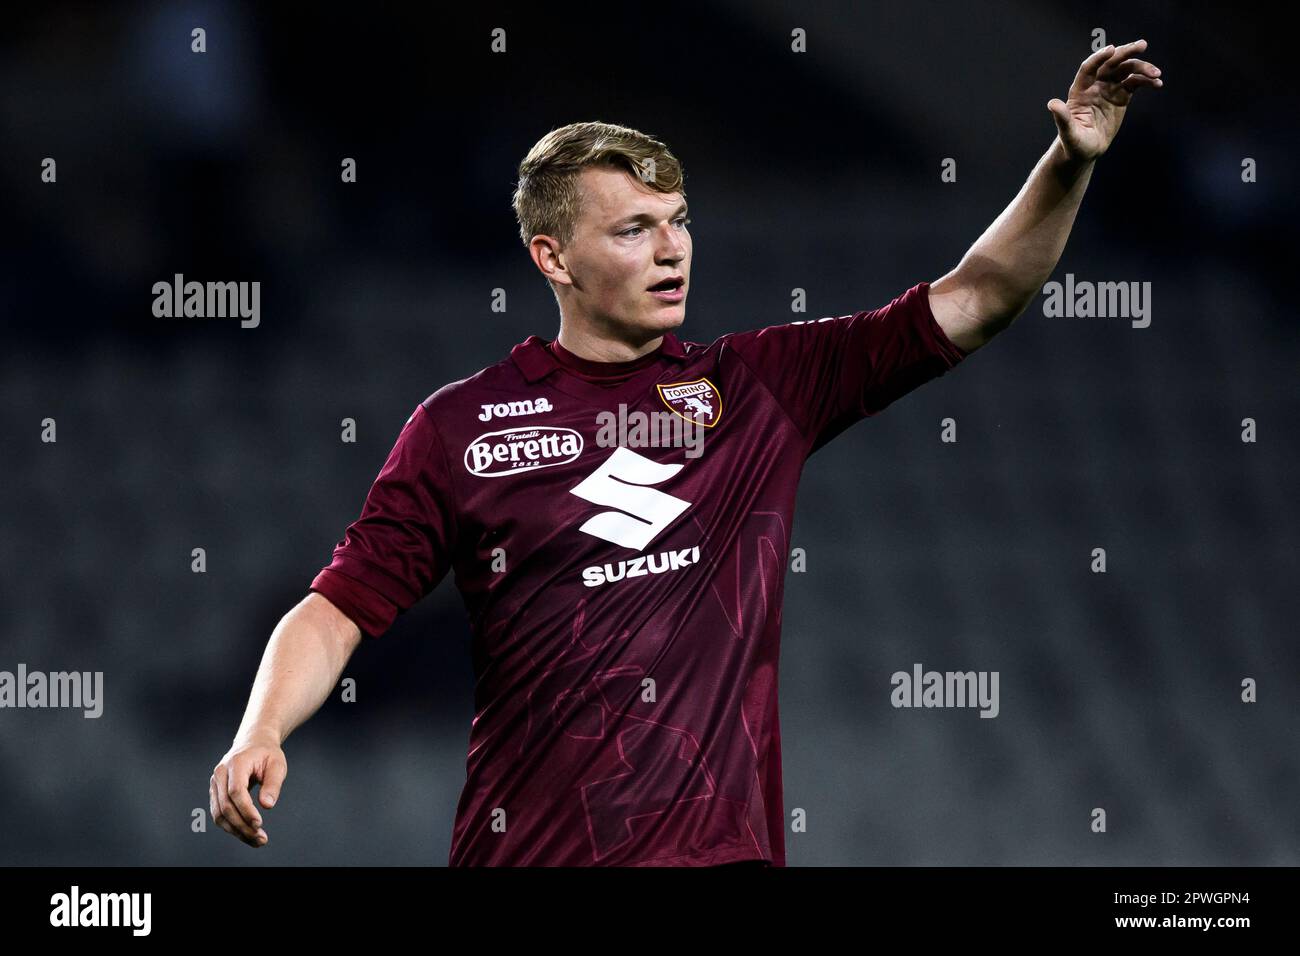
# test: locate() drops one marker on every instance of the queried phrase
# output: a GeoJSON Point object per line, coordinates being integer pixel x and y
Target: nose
{"type": "Point", "coordinates": [673, 249]}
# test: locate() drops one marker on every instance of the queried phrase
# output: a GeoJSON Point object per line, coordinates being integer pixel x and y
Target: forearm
{"type": "Point", "coordinates": [301, 665]}
{"type": "Point", "coordinates": [1008, 264]}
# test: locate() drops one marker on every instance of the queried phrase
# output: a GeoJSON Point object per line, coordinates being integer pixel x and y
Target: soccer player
{"type": "Point", "coordinates": [625, 596]}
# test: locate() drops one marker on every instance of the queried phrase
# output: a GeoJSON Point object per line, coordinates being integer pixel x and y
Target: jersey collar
{"type": "Point", "coordinates": [535, 360]}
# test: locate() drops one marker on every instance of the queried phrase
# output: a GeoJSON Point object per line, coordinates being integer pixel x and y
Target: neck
{"type": "Point", "coordinates": [595, 347]}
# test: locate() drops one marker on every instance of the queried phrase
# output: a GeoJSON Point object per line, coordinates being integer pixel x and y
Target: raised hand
{"type": "Point", "coordinates": [1091, 115]}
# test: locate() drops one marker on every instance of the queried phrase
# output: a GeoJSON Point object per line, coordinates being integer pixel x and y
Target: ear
{"type": "Point", "coordinates": [548, 256]}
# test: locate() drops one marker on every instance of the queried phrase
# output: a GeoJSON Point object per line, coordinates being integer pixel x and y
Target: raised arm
{"type": "Point", "coordinates": [1007, 266]}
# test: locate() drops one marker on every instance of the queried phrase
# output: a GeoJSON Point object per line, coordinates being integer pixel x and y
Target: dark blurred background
{"type": "Point", "coordinates": [819, 171]}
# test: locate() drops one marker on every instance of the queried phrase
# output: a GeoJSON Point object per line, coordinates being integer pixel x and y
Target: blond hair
{"type": "Point", "coordinates": [547, 200]}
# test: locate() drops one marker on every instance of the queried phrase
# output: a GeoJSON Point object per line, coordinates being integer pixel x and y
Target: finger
{"type": "Point", "coordinates": [218, 812]}
{"type": "Point", "coordinates": [1088, 68]}
{"type": "Point", "coordinates": [242, 800]}
{"type": "Point", "coordinates": [276, 770]}
{"type": "Point", "coordinates": [1127, 50]}
{"type": "Point", "coordinates": [1132, 82]}
{"type": "Point", "coordinates": [1131, 66]}
{"type": "Point", "coordinates": [1061, 115]}
{"type": "Point", "coordinates": [228, 812]}
{"type": "Point", "coordinates": [1104, 68]}
{"type": "Point", "coordinates": [236, 826]}
{"type": "Point", "coordinates": [213, 808]}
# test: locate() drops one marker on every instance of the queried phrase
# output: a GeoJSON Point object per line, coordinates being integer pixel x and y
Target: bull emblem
{"type": "Point", "coordinates": [698, 401]}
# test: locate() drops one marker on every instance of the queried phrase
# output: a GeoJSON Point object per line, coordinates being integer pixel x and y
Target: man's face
{"type": "Point", "coordinates": [628, 237]}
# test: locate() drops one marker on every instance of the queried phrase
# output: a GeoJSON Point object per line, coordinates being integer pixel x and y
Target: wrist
{"type": "Point", "coordinates": [1066, 168]}
{"type": "Point", "coordinates": [258, 734]}
{"type": "Point", "coordinates": [1066, 165]}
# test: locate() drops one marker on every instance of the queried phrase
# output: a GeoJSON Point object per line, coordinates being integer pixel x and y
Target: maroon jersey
{"type": "Point", "coordinates": [624, 601]}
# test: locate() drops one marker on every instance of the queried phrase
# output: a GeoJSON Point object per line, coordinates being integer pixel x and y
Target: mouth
{"type": "Point", "coordinates": [671, 289]}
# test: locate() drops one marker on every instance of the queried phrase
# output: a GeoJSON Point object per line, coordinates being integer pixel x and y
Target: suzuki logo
{"type": "Point", "coordinates": [620, 482]}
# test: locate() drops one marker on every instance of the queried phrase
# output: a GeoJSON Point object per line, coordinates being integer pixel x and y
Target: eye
{"type": "Point", "coordinates": [683, 220]}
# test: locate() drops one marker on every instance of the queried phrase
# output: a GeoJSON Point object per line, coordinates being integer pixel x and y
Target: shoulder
{"type": "Point", "coordinates": [484, 386]}
{"type": "Point", "coordinates": [778, 342]}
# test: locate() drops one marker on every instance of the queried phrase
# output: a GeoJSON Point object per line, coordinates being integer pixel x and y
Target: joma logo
{"type": "Point", "coordinates": [529, 406]}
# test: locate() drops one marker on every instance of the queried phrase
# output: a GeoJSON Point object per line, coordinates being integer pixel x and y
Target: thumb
{"type": "Point", "coordinates": [1061, 115]}
{"type": "Point", "coordinates": [272, 780]}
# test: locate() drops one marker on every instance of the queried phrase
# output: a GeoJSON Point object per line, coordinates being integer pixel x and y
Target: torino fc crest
{"type": "Point", "coordinates": [698, 401]}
